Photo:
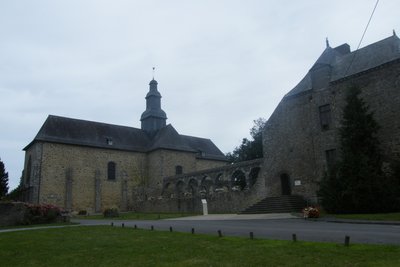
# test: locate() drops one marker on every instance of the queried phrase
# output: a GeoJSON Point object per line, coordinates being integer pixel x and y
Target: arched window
{"type": "Point", "coordinates": [168, 190]}
{"type": "Point", "coordinates": [206, 182]}
{"type": "Point", "coordinates": [193, 186]}
{"type": "Point", "coordinates": [178, 169]}
{"type": "Point", "coordinates": [218, 180]}
{"type": "Point", "coordinates": [180, 188]}
{"type": "Point", "coordinates": [111, 171]}
{"type": "Point", "coordinates": [239, 179]}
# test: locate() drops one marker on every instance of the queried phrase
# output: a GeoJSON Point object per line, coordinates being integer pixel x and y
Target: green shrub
{"type": "Point", "coordinates": [111, 212]}
{"type": "Point", "coordinates": [82, 212]}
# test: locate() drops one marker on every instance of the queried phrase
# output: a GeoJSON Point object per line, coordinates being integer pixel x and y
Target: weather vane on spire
{"type": "Point", "coordinates": [153, 72]}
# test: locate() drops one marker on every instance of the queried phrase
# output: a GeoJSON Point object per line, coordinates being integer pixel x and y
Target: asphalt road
{"type": "Point", "coordinates": [280, 229]}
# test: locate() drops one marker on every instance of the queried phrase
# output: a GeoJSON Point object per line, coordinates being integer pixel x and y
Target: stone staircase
{"type": "Point", "coordinates": [281, 204]}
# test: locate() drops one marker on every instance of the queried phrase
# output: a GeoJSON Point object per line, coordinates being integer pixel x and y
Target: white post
{"type": "Point", "coordinates": [205, 208]}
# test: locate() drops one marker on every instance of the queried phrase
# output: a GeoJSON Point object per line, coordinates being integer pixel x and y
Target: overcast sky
{"type": "Point", "coordinates": [219, 64]}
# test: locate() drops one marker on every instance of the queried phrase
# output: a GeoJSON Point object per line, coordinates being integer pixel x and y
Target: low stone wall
{"type": "Point", "coordinates": [224, 202]}
{"type": "Point", "coordinates": [12, 213]}
{"type": "Point", "coordinates": [20, 213]}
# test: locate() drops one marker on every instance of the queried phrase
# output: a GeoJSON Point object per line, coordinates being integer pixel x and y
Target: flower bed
{"type": "Point", "coordinates": [43, 213]}
{"type": "Point", "coordinates": [311, 212]}
{"type": "Point", "coordinates": [19, 213]}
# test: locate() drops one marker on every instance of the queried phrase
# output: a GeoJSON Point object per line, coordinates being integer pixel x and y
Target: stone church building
{"type": "Point", "coordinates": [86, 165]}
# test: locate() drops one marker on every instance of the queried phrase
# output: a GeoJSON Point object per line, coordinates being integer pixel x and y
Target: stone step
{"type": "Point", "coordinates": [280, 204]}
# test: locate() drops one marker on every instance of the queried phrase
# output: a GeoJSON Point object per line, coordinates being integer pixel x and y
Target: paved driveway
{"type": "Point", "coordinates": [271, 228]}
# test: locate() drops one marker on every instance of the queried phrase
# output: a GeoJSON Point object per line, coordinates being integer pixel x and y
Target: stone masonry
{"type": "Point", "coordinates": [301, 136]}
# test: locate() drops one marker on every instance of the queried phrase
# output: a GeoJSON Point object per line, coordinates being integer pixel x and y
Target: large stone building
{"type": "Point", "coordinates": [85, 165]}
{"type": "Point", "coordinates": [301, 137]}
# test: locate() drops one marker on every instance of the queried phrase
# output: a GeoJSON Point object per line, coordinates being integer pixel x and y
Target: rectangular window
{"type": "Point", "coordinates": [325, 117]}
{"type": "Point", "coordinates": [330, 158]}
{"type": "Point", "coordinates": [111, 170]}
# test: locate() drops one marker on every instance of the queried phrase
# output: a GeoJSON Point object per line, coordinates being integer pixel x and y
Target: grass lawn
{"type": "Point", "coordinates": [139, 216]}
{"type": "Point", "coordinates": [115, 246]}
{"type": "Point", "coordinates": [375, 217]}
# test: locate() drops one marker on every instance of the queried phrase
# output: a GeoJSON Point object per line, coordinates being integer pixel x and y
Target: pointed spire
{"type": "Point", "coordinates": [394, 33]}
{"type": "Point", "coordinates": [153, 72]}
{"type": "Point", "coordinates": [153, 118]}
{"type": "Point", "coordinates": [327, 42]}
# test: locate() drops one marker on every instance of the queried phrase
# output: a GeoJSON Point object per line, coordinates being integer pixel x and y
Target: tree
{"type": "Point", "coordinates": [249, 149]}
{"type": "Point", "coordinates": [3, 180]}
{"type": "Point", "coordinates": [17, 193]}
{"type": "Point", "coordinates": [357, 184]}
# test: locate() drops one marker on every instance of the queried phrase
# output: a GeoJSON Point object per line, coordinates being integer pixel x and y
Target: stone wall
{"type": "Point", "coordinates": [381, 90]}
{"type": "Point", "coordinates": [204, 164]}
{"type": "Point", "coordinates": [162, 163]}
{"type": "Point", "coordinates": [220, 202]}
{"type": "Point", "coordinates": [76, 177]}
{"type": "Point", "coordinates": [296, 145]}
{"type": "Point", "coordinates": [32, 173]}
{"type": "Point", "coordinates": [12, 213]}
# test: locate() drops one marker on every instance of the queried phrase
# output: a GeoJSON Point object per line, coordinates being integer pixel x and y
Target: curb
{"type": "Point", "coordinates": [362, 222]}
{"type": "Point", "coordinates": [336, 220]}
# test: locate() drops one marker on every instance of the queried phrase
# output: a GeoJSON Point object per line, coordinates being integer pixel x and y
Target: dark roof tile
{"type": "Point", "coordinates": [339, 59]}
{"type": "Point", "coordinates": [95, 134]}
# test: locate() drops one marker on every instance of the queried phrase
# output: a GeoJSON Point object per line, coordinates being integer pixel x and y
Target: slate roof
{"type": "Point", "coordinates": [338, 62]}
{"type": "Point", "coordinates": [64, 130]}
{"type": "Point", "coordinates": [168, 138]}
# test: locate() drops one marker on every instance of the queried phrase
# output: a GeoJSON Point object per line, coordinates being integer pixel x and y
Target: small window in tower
{"type": "Point", "coordinates": [325, 117]}
{"type": "Point", "coordinates": [111, 170]}
{"type": "Point", "coordinates": [330, 158]}
{"type": "Point", "coordinates": [178, 170]}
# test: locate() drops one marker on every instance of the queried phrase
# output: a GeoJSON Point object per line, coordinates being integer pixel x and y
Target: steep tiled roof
{"type": "Point", "coordinates": [336, 63]}
{"type": "Point", "coordinates": [63, 130]}
{"type": "Point", "coordinates": [169, 138]}
{"type": "Point", "coordinates": [367, 58]}
{"type": "Point", "coordinates": [88, 133]}
{"type": "Point", "coordinates": [205, 147]}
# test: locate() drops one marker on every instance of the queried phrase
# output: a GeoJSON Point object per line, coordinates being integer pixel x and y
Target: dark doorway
{"type": "Point", "coordinates": [285, 184]}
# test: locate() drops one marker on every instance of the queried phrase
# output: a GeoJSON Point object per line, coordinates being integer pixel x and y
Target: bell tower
{"type": "Point", "coordinates": [153, 118]}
